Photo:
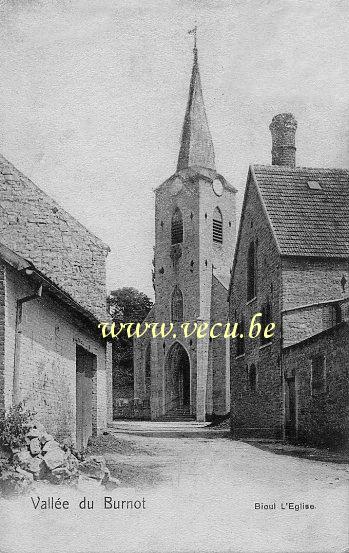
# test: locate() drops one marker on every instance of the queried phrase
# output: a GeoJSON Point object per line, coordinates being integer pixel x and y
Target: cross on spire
{"type": "Point", "coordinates": [193, 32]}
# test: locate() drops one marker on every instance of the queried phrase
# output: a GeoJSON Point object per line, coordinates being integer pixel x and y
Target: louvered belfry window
{"type": "Point", "coordinates": [177, 227]}
{"type": "Point", "coordinates": [177, 305]}
{"type": "Point", "coordinates": [217, 226]}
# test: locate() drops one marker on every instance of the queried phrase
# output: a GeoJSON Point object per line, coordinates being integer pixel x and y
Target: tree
{"type": "Point", "coordinates": [126, 305]}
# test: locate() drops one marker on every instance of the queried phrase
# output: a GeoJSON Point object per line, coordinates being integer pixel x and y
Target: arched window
{"type": "Point", "coordinates": [177, 305]}
{"type": "Point", "coordinates": [253, 378]}
{"type": "Point", "coordinates": [217, 226]}
{"type": "Point", "coordinates": [251, 272]}
{"type": "Point", "coordinates": [177, 227]}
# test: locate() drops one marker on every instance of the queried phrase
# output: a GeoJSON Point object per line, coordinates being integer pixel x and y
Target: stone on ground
{"type": "Point", "coordinates": [46, 438]}
{"type": "Point", "coordinates": [35, 446]}
{"type": "Point", "coordinates": [22, 458]}
{"type": "Point", "coordinates": [55, 458]}
{"type": "Point", "coordinates": [60, 474]}
{"type": "Point", "coordinates": [34, 433]}
{"type": "Point", "coordinates": [51, 444]}
{"type": "Point", "coordinates": [37, 467]}
{"type": "Point", "coordinates": [94, 467]}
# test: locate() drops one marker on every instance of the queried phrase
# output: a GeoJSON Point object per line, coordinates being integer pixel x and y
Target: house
{"type": "Point", "coordinates": [291, 265]}
{"type": "Point", "coordinates": [52, 297]}
{"type": "Point", "coordinates": [195, 219]}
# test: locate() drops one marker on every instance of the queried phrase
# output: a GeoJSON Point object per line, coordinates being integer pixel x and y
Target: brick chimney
{"type": "Point", "coordinates": [283, 131]}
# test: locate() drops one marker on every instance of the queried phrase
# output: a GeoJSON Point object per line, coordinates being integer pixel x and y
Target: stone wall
{"type": "Point", "coordinates": [307, 281]}
{"type": "Point", "coordinates": [322, 419]}
{"type": "Point", "coordinates": [310, 282]}
{"type": "Point", "coordinates": [50, 334]}
{"type": "Point", "coordinates": [256, 412]}
{"type": "Point", "coordinates": [37, 228]}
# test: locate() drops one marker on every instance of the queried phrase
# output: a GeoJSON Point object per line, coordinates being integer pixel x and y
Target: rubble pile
{"type": "Point", "coordinates": [43, 458]}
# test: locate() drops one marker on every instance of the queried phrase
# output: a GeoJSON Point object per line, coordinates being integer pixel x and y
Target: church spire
{"type": "Point", "coordinates": [196, 148]}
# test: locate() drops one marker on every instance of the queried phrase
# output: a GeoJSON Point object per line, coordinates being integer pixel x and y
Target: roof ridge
{"type": "Point", "coordinates": [283, 168]}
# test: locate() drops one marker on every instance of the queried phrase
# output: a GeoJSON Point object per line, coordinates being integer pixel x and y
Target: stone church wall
{"type": "Point", "coordinates": [219, 352]}
{"type": "Point", "coordinates": [260, 411]}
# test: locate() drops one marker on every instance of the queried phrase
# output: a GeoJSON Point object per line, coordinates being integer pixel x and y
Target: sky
{"type": "Point", "coordinates": [93, 95]}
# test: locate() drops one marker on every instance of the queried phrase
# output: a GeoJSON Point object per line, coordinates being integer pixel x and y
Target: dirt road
{"type": "Point", "coordinates": [192, 490]}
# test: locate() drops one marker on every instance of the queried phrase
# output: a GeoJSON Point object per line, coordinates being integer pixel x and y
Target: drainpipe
{"type": "Point", "coordinates": [18, 332]}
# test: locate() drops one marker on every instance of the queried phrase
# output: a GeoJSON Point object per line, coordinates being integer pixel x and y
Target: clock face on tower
{"type": "Point", "coordinates": [176, 187]}
{"type": "Point", "coordinates": [217, 187]}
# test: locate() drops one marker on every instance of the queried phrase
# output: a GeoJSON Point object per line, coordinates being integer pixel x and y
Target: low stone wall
{"type": "Point", "coordinates": [126, 408]}
{"type": "Point", "coordinates": [322, 419]}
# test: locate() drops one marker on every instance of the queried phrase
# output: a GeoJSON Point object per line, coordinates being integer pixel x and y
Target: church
{"type": "Point", "coordinates": [195, 233]}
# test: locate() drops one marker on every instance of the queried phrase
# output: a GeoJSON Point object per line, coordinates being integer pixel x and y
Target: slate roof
{"type": "Point", "coordinates": [306, 222]}
{"type": "Point", "coordinates": [223, 276]}
{"type": "Point", "coordinates": [196, 148]}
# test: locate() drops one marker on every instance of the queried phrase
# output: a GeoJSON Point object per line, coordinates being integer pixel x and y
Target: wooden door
{"type": "Point", "coordinates": [84, 384]}
{"type": "Point", "coordinates": [291, 408]}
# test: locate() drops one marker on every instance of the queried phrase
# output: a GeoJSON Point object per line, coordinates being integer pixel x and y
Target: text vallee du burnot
{"type": "Point", "coordinates": [107, 502]}
{"type": "Point", "coordinates": [197, 329]}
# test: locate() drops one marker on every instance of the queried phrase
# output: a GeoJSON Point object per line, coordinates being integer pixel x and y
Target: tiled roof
{"type": "Point", "coordinates": [306, 221]}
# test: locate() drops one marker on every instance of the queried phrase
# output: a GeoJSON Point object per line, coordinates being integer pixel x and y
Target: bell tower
{"type": "Point", "coordinates": [194, 240]}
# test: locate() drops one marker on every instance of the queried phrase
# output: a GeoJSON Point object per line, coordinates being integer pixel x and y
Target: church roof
{"type": "Point", "coordinates": [196, 149]}
{"type": "Point", "coordinates": [223, 276]}
{"type": "Point", "coordinates": [308, 209]}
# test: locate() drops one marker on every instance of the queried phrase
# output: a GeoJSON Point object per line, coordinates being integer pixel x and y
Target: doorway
{"type": "Point", "coordinates": [85, 371]}
{"type": "Point", "coordinates": [177, 369]}
{"type": "Point", "coordinates": [291, 408]}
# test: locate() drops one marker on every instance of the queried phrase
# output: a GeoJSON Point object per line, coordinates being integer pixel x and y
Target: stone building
{"type": "Point", "coordinates": [194, 243]}
{"type": "Point", "coordinates": [52, 297]}
{"type": "Point", "coordinates": [291, 265]}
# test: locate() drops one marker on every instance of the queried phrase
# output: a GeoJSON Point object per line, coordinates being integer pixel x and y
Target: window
{"type": "Point", "coordinates": [177, 305]}
{"type": "Point", "coordinates": [240, 342]}
{"type": "Point", "coordinates": [252, 377]}
{"type": "Point", "coordinates": [217, 226]}
{"type": "Point", "coordinates": [251, 272]}
{"type": "Point", "coordinates": [318, 375]}
{"type": "Point", "coordinates": [177, 227]}
{"type": "Point", "coordinates": [266, 319]}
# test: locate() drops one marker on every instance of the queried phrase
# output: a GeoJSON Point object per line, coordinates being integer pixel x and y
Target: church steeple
{"type": "Point", "coordinates": [196, 148]}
